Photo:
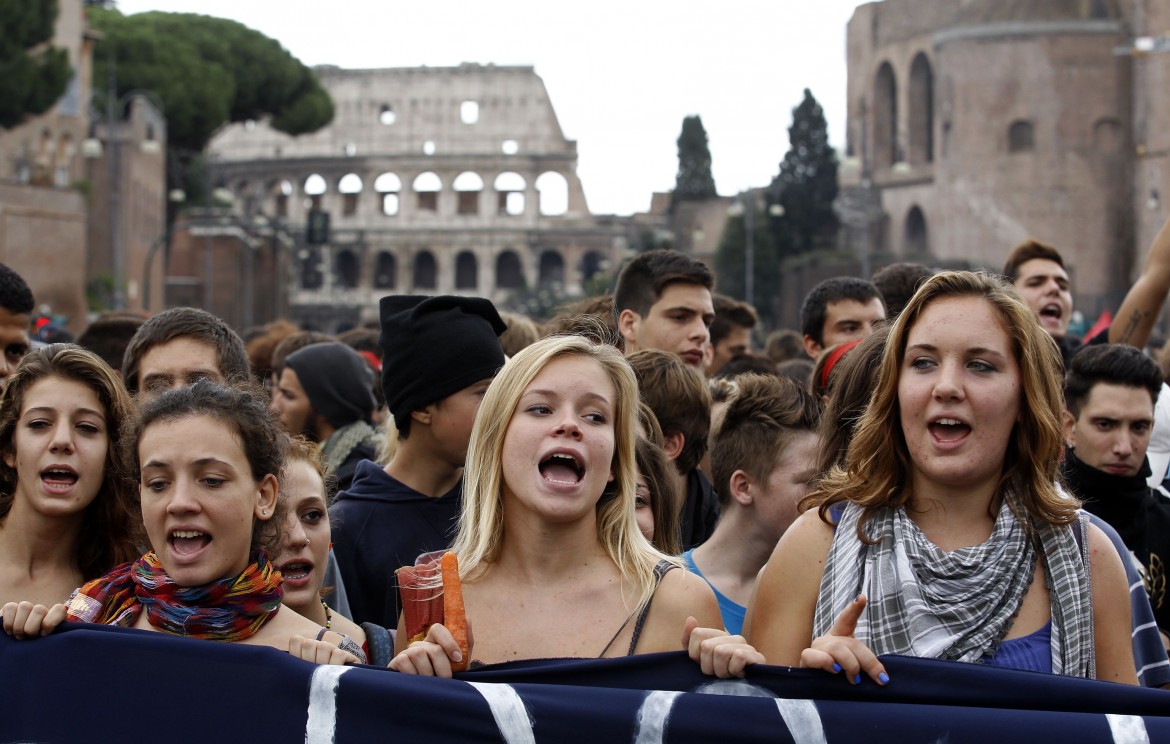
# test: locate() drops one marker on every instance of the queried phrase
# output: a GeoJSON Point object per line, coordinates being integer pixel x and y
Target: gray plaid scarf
{"type": "Point", "coordinates": [929, 603]}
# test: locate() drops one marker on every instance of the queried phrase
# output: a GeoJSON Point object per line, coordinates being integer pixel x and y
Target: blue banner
{"type": "Point", "coordinates": [95, 683]}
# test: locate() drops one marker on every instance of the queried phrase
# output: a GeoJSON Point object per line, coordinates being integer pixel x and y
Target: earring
{"type": "Point", "coordinates": [264, 512]}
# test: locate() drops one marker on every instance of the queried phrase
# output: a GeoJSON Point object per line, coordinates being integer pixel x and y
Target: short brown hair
{"type": "Point", "coordinates": [642, 281]}
{"type": "Point", "coordinates": [756, 426]}
{"type": "Point", "coordinates": [678, 396]}
{"type": "Point", "coordinates": [730, 313]}
{"type": "Point", "coordinates": [1026, 251]}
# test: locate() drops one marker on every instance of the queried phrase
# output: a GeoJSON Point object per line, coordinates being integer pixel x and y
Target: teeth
{"type": "Point", "coordinates": [567, 458]}
{"type": "Point", "coordinates": [188, 534]}
{"type": "Point", "coordinates": [948, 422]}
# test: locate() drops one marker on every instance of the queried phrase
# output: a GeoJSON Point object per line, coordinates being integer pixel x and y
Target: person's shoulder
{"type": "Point", "coordinates": [683, 593]}
{"type": "Point", "coordinates": [809, 526]}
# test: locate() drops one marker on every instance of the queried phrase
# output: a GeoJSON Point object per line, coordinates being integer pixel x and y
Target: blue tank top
{"type": "Point", "coordinates": [733, 614]}
{"type": "Point", "coordinates": [1031, 653]}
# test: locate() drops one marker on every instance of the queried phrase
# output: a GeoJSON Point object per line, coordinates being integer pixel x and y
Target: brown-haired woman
{"type": "Point", "coordinates": [66, 510]}
{"type": "Point", "coordinates": [944, 535]}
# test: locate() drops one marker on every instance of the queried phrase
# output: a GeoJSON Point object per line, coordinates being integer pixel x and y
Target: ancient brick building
{"type": "Point", "coordinates": [437, 180]}
{"type": "Point", "coordinates": [979, 124]}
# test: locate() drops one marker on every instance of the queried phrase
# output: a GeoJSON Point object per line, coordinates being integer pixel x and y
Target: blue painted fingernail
{"type": "Point", "coordinates": [836, 668]}
{"type": "Point", "coordinates": [884, 678]}
{"type": "Point", "coordinates": [857, 680]}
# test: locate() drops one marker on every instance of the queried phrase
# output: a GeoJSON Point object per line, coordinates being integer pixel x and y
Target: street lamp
{"type": "Point", "coordinates": [92, 148]}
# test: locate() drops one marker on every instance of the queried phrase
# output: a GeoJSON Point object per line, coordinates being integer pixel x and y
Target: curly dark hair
{"type": "Point", "coordinates": [244, 409]}
{"type": "Point", "coordinates": [111, 525]}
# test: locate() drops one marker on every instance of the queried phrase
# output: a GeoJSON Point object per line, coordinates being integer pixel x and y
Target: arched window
{"type": "Point", "coordinates": [425, 271]}
{"type": "Point", "coordinates": [468, 186]}
{"type": "Point", "coordinates": [885, 112]}
{"type": "Point", "coordinates": [466, 271]}
{"type": "Point", "coordinates": [1021, 137]}
{"type": "Point", "coordinates": [282, 190]}
{"type": "Point", "coordinates": [921, 111]}
{"type": "Point", "coordinates": [350, 187]}
{"type": "Point", "coordinates": [509, 189]}
{"type": "Point", "coordinates": [315, 188]}
{"type": "Point", "coordinates": [552, 268]}
{"type": "Point", "coordinates": [1107, 135]}
{"type": "Point", "coordinates": [591, 263]}
{"type": "Point", "coordinates": [554, 193]}
{"type": "Point", "coordinates": [427, 187]}
{"type": "Point", "coordinates": [348, 269]}
{"type": "Point", "coordinates": [915, 240]}
{"type": "Point", "coordinates": [388, 185]}
{"type": "Point", "coordinates": [385, 271]}
{"type": "Point", "coordinates": [509, 274]}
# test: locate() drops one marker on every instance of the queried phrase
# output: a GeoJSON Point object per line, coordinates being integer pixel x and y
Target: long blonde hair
{"type": "Point", "coordinates": [877, 467]}
{"type": "Point", "coordinates": [481, 525]}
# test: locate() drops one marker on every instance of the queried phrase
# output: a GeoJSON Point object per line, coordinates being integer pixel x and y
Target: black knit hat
{"type": "Point", "coordinates": [337, 380]}
{"type": "Point", "coordinates": [435, 346]}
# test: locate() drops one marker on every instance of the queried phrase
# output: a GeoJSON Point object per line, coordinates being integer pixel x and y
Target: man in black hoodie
{"type": "Point", "coordinates": [439, 354]}
{"type": "Point", "coordinates": [1110, 391]}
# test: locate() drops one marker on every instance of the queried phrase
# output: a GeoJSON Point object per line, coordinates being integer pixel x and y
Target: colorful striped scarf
{"type": "Point", "coordinates": [230, 609]}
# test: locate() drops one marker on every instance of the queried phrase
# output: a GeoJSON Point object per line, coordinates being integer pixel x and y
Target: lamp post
{"type": "Point", "coordinates": [745, 205]}
{"type": "Point", "coordinates": [114, 107]}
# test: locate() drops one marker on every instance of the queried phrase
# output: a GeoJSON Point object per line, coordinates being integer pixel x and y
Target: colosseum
{"type": "Point", "coordinates": [984, 122]}
{"type": "Point", "coordinates": [436, 180]}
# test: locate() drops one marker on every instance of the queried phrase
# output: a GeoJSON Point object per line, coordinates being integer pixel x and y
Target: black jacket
{"type": "Point", "coordinates": [380, 525]}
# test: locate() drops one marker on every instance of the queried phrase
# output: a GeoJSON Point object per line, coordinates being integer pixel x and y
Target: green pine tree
{"type": "Point", "coordinates": [694, 181]}
{"type": "Point", "coordinates": [731, 263]}
{"type": "Point", "coordinates": [807, 184]}
{"type": "Point", "coordinates": [33, 75]}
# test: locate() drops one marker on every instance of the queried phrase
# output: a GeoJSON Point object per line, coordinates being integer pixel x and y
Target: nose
{"type": "Point", "coordinates": [297, 537]}
{"type": "Point", "coordinates": [62, 437]}
{"type": "Point", "coordinates": [948, 385]}
{"type": "Point", "coordinates": [569, 427]}
{"type": "Point", "coordinates": [183, 500]}
{"type": "Point", "coordinates": [699, 331]}
{"type": "Point", "coordinates": [1123, 444]}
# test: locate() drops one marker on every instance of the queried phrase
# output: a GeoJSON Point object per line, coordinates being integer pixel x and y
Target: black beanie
{"type": "Point", "coordinates": [337, 380]}
{"type": "Point", "coordinates": [435, 346]}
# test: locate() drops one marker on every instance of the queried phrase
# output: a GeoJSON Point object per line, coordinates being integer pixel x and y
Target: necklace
{"type": "Point", "coordinates": [328, 614]}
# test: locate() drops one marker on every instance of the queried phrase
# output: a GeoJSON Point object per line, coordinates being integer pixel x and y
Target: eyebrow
{"type": "Point", "coordinates": [50, 409]}
{"type": "Point", "coordinates": [974, 350]}
{"type": "Point", "coordinates": [201, 462]}
{"type": "Point", "coordinates": [552, 394]}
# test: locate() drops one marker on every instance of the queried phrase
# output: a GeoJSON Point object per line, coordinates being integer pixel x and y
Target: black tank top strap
{"type": "Point", "coordinates": [660, 570]}
{"type": "Point", "coordinates": [639, 616]}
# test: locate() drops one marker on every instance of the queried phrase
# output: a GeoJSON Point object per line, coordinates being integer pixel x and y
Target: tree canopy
{"type": "Point", "coordinates": [33, 75]}
{"type": "Point", "coordinates": [807, 184]}
{"type": "Point", "coordinates": [208, 72]}
{"type": "Point", "coordinates": [694, 181]}
{"type": "Point", "coordinates": [731, 260]}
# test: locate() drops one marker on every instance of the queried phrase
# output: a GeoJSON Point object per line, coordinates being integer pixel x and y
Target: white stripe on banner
{"type": "Point", "coordinates": [654, 715]}
{"type": "Point", "coordinates": [321, 727]}
{"type": "Point", "coordinates": [1127, 729]}
{"type": "Point", "coordinates": [803, 720]}
{"type": "Point", "coordinates": [508, 709]}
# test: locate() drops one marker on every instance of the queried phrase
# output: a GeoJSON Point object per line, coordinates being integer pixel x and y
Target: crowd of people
{"type": "Point", "coordinates": [931, 466]}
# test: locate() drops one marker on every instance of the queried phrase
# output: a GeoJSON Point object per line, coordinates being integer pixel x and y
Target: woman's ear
{"type": "Point", "coordinates": [267, 491]}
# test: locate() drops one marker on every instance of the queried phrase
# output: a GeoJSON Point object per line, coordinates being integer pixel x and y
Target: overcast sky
{"type": "Point", "coordinates": [621, 74]}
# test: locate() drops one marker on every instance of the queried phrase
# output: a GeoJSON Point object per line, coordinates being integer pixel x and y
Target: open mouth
{"type": "Point", "coordinates": [1052, 311]}
{"type": "Point", "coordinates": [948, 429]}
{"type": "Point", "coordinates": [187, 542]}
{"type": "Point", "coordinates": [296, 570]}
{"type": "Point", "coordinates": [562, 468]}
{"type": "Point", "coordinates": [59, 477]}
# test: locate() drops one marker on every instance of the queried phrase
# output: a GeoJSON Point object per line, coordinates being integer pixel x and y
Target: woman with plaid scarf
{"type": "Point", "coordinates": [944, 535]}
